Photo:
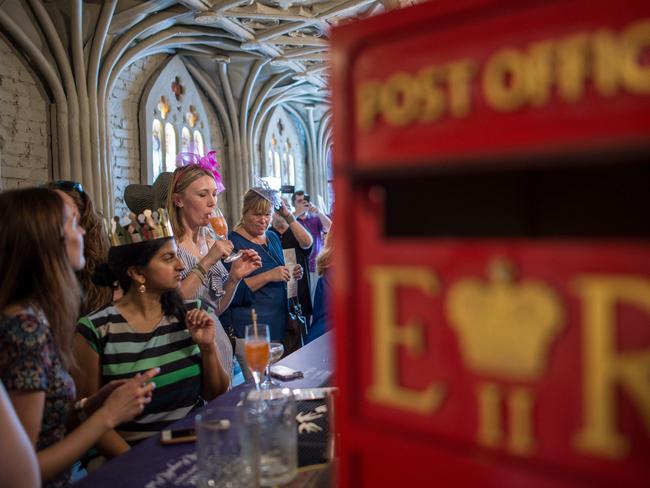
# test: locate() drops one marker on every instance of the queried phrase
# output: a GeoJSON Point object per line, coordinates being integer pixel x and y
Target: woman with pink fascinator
{"type": "Point", "coordinates": [191, 201]}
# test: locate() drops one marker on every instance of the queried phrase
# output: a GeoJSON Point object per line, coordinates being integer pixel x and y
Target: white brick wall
{"type": "Point", "coordinates": [123, 106]}
{"type": "Point", "coordinates": [125, 130]}
{"type": "Point", "coordinates": [218, 146]}
{"type": "Point", "coordinates": [24, 128]}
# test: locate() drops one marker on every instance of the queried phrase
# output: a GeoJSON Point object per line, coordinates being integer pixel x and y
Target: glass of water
{"type": "Point", "coordinates": [274, 414]}
{"type": "Point", "coordinates": [226, 448]}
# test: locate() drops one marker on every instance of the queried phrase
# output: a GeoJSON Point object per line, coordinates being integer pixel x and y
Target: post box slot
{"type": "Point", "coordinates": [594, 201]}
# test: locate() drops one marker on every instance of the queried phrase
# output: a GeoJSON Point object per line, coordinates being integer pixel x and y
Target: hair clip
{"type": "Point", "coordinates": [266, 192]}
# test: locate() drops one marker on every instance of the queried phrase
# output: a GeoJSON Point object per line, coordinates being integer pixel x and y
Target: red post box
{"type": "Point", "coordinates": [492, 284]}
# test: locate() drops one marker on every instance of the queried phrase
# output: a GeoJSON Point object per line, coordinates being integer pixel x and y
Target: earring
{"type": "Point", "coordinates": [142, 288]}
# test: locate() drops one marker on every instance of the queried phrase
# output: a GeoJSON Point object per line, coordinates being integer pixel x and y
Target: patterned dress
{"type": "Point", "coordinates": [30, 362]}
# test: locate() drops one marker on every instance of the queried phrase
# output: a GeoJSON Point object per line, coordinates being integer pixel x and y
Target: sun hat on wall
{"type": "Point", "coordinates": [140, 197]}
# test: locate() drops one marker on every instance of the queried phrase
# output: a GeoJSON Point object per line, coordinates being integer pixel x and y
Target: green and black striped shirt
{"type": "Point", "coordinates": [123, 352]}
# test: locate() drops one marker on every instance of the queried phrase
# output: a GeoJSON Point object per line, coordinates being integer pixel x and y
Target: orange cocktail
{"type": "Point", "coordinates": [257, 354]}
{"type": "Point", "coordinates": [218, 223]}
{"type": "Point", "coordinates": [256, 348]}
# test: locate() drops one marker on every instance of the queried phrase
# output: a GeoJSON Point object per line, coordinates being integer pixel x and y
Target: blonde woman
{"type": "Point", "coordinates": [269, 282]}
{"type": "Point", "coordinates": [191, 199]}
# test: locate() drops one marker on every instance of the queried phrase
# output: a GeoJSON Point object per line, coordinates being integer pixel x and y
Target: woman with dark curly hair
{"type": "Point", "coordinates": [96, 244]}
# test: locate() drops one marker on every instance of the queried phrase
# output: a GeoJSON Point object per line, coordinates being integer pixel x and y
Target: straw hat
{"type": "Point", "coordinates": [141, 197]}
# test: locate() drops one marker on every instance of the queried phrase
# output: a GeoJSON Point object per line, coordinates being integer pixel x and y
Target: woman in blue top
{"type": "Point", "coordinates": [267, 283]}
{"type": "Point", "coordinates": [322, 320]}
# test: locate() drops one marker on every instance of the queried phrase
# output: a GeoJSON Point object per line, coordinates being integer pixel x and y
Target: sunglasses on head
{"type": "Point", "coordinates": [68, 185]}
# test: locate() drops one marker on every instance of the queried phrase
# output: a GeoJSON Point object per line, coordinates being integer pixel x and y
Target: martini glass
{"type": "Point", "coordinates": [276, 349]}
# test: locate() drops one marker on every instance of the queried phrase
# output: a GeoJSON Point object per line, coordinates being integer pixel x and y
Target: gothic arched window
{"type": "Point", "coordinates": [175, 118]}
{"type": "Point", "coordinates": [284, 150]}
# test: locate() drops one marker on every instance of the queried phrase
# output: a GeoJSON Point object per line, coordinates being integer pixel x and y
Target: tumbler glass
{"type": "Point", "coordinates": [274, 412]}
{"type": "Point", "coordinates": [226, 448]}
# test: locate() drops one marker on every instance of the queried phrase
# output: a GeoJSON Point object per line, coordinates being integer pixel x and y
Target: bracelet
{"type": "Point", "coordinates": [79, 408]}
{"type": "Point", "coordinates": [201, 268]}
{"type": "Point", "coordinates": [197, 271]}
{"type": "Point", "coordinates": [290, 219]}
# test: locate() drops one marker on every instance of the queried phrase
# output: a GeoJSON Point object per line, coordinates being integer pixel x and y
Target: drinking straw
{"type": "Point", "coordinates": [254, 316]}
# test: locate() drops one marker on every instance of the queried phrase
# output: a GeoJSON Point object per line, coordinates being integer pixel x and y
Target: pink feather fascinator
{"type": "Point", "coordinates": [208, 162]}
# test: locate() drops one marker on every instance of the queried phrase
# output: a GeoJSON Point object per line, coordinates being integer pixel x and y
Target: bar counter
{"type": "Point", "coordinates": [152, 465]}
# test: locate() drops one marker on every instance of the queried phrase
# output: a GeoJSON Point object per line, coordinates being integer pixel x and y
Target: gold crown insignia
{"type": "Point", "coordinates": [144, 227]}
{"type": "Point", "coordinates": [505, 328]}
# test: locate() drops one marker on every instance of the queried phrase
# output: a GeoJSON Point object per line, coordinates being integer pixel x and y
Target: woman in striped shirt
{"type": "Point", "coordinates": [150, 326]}
{"type": "Point", "coordinates": [191, 198]}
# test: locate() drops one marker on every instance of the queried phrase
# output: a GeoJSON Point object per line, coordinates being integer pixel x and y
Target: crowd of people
{"type": "Point", "coordinates": [109, 335]}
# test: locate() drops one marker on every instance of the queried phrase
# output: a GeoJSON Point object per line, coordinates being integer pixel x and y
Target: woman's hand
{"type": "Point", "coordinates": [97, 399]}
{"type": "Point", "coordinates": [280, 273]}
{"type": "Point", "coordinates": [297, 272]}
{"type": "Point", "coordinates": [219, 250]}
{"type": "Point", "coordinates": [249, 262]}
{"type": "Point", "coordinates": [202, 327]}
{"type": "Point", "coordinates": [128, 400]}
{"type": "Point", "coordinates": [284, 211]}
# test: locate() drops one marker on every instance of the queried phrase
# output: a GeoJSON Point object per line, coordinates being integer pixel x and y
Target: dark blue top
{"type": "Point", "coordinates": [320, 321]}
{"type": "Point", "coordinates": [289, 241]}
{"type": "Point", "coordinates": [270, 301]}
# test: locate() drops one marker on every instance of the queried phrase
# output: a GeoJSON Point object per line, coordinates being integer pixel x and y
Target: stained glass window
{"type": "Point", "coordinates": [292, 170]}
{"type": "Point", "coordinates": [156, 148]}
{"type": "Point", "coordinates": [198, 143]}
{"type": "Point", "coordinates": [276, 164]}
{"type": "Point", "coordinates": [170, 147]}
{"type": "Point", "coordinates": [185, 139]}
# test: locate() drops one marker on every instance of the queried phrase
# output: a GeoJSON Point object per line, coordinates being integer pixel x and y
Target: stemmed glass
{"type": "Point", "coordinates": [220, 227]}
{"type": "Point", "coordinates": [256, 350]}
{"type": "Point", "coordinates": [276, 349]}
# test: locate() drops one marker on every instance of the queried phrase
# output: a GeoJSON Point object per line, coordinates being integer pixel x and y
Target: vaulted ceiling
{"type": "Point", "coordinates": [292, 34]}
{"type": "Point", "coordinates": [247, 56]}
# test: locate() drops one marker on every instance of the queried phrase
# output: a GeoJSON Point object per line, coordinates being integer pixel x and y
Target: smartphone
{"type": "Point", "coordinates": [177, 436]}
{"type": "Point", "coordinates": [285, 373]}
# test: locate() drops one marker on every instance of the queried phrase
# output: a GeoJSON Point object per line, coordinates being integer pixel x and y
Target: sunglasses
{"type": "Point", "coordinates": [68, 185]}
